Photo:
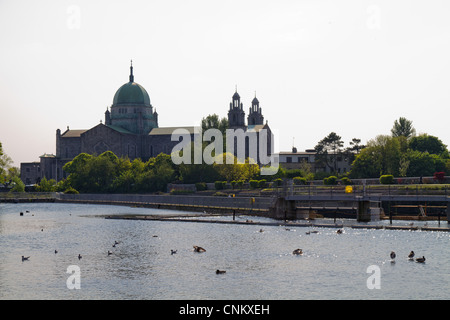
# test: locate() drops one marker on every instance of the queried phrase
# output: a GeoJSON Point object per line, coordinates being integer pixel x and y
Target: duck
{"type": "Point", "coordinates": [56, 251]}
{"type": "Point", "coordinates": [25, 258]}
{"type": "Point", "coordinates": [393, 255]}
{"type": "Point", "coordinates": [411, 255]}
{"type": "Point", "coordinates": [220, 271]}
{"type": "Point", "coordinates": [297, 252]}
{"type": "Point", "coordinates": [199, 249]}
{"type": "Point", "coordinates": [339, 231]}
{"type": "Point", "coordinates": [109, 253]}
{"type": "Point", "coordinates": [173, 251]}
{"type": "Point", "coordinates": [79, 256]}
{"type": "Point", "coordinates": [421, 260]}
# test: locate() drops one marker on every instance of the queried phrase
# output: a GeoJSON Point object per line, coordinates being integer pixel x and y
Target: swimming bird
{"type": "Point", "coordinates": [56, 251]}
{"type": "Point", "coordinates": [220, 271]}
{"type": "Point", "coordinates": [79, 257]}
{"type": "Point", "coordinates": [297, 252]}
{"type": "Point", "coordinates": [173, 251]}
{"type": "Point", "coordinates": [199, 249]}
{"type": "Point", "coordinates": [411, 255]}
{"type": "Point", "coordinates": [421, 260]}
{"type": "Point", "coordinates": [339, 231]}
{"type": "Point", "coordinates": [25, 258]}
{"type": "Point", "coordinates": [393, 255]}
{"type": "Point", "coordinates": [109, 253]}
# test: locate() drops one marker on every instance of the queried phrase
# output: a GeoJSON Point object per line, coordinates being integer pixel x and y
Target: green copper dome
{"type": "Point", "coordinates": [131, 93]}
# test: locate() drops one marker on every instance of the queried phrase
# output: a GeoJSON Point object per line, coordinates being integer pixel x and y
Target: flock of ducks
{"type": "Point", "coordinates": [199, 249]}
{"type": "Point", "coordinates": [410, 257]}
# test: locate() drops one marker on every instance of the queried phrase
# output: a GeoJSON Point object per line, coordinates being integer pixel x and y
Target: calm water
{"type": "Point", "coordinates": [259, 265]}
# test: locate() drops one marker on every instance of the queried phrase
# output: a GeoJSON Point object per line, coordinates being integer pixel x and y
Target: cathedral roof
{"type": "Point", "coordinates": [131, 93]}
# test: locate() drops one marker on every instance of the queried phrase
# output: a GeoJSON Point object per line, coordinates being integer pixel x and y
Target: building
{"type": "Point", "coordinates": [131, 130]}
{"type": "Point", "coordinates": [295, 160]}
{"type": "Point", "coordinates": [252, 132]}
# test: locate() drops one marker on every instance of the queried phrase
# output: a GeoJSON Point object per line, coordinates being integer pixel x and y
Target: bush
{"type": "Point", "coordinates": [220, 194]}
{"type": "Point", "coordinates": [330, 181]}
{"type": "Point", "coordinates": [439, 176]}
{"type": "Point", "coordinates": [346, 181]}
{"type": "Point", "coordinates": [299, 181]}
{"type": "Point", "coordinates": [262, 183]}
{"type": "Point", "coordinates": [254, 184]}
{"type": "Point", "coordinates": [277, 182]}
{"type": "Point", "coordinates": [200, 186]}
{"type": "Point", "coordinates": [387, 179]}
{"type": "Point", "coordinates": [220, 185]}
{"type": "Point", "coordinates": [71, 190]}
{"type": "Point", "coordinates": [240, 183]}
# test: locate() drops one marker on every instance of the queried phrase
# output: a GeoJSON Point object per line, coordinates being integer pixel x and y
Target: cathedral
{"type": "Point", "coordinates": [130, 129]}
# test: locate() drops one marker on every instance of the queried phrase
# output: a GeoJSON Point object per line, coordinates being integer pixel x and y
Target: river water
{"type": "Point", "coordinates": [258, 260]}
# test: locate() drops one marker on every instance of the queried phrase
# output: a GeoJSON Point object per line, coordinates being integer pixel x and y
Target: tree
{"type": "Point", "coordinates": [367, 164]}
{"type": "Point", "coordinates": [331, 144]}
{"type": "Point", "coordinates": [403, 127]}
{"type": "Point", "coordinates": [424, 164]}
{"type": "Point", "coordinates": [427, 143]}
{"type": "Point", "coordinates": [355, 145]}
{"type": "Point", "coordinates": [5, 163]}
{"type": "Point", "coordinates": [383, 155]}
{"type": "Point", "coordinates": [213, 121]}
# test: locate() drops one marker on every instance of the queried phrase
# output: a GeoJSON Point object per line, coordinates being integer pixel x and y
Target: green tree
{"type": "Point", "coordinates": [427, 143]}
{"type": "Point", "coordinates": [424, 164]}
{"type": "Point", "coordinates": [17, 184]}
{"type": "Point", "coordinates": [403, 127]}
{"type": "Point", "coordinates": [5, 163]}
{"type": "Point", "coordinates": [46, 185]}
{"type": "Point", "coordinates": [355, 145]}
{"type": "Point", "coordinates": [328, 149]}
{"type": "Point", "coordinates": [213, 121]}
{"type": "Point", "coordinates": [367, 164]}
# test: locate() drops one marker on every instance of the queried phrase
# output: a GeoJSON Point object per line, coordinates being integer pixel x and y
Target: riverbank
{"type": "Point", "coordinates": [258, 206]}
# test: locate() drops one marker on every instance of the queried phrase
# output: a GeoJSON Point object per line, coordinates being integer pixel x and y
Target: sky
{"type": "Point", "coordinates": [352, 67]}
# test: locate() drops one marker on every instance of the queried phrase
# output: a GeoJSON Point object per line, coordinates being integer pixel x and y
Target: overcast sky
{"type": "Point", "coordinates": [352, 67]}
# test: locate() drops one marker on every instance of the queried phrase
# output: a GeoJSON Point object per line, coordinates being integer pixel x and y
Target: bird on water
{"type": "Point", "coordinates": [393, 255]}
{"type": "Point", "coordinates": [25, 258]}
{"type": "Point", "coordinates": [421, 260]}
{"type": "Point", "coordinates": [220, 271]}
{"type": "Point", "coordinates": [199, 249]}
{"type": "Point", "coordinates": [297, 252]}
{"type": "Point", "coordinates": [411, 255]}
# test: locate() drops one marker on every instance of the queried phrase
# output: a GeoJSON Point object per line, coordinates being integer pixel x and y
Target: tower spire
{"type": "Point", "coordinates": [131, 72]}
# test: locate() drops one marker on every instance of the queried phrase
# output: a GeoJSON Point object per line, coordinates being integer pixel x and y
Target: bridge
{"type": "Point", "coordinates": [367, 201]}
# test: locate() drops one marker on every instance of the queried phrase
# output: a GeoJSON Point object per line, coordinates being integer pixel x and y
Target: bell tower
{"type": "Point", "coordinates": [255, 116]}
{"type": "Point", "coordinates": [236, 114]}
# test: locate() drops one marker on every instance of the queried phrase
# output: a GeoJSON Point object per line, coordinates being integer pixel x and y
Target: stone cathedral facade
{"type": "Point", "coordinates": [130, 129]}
